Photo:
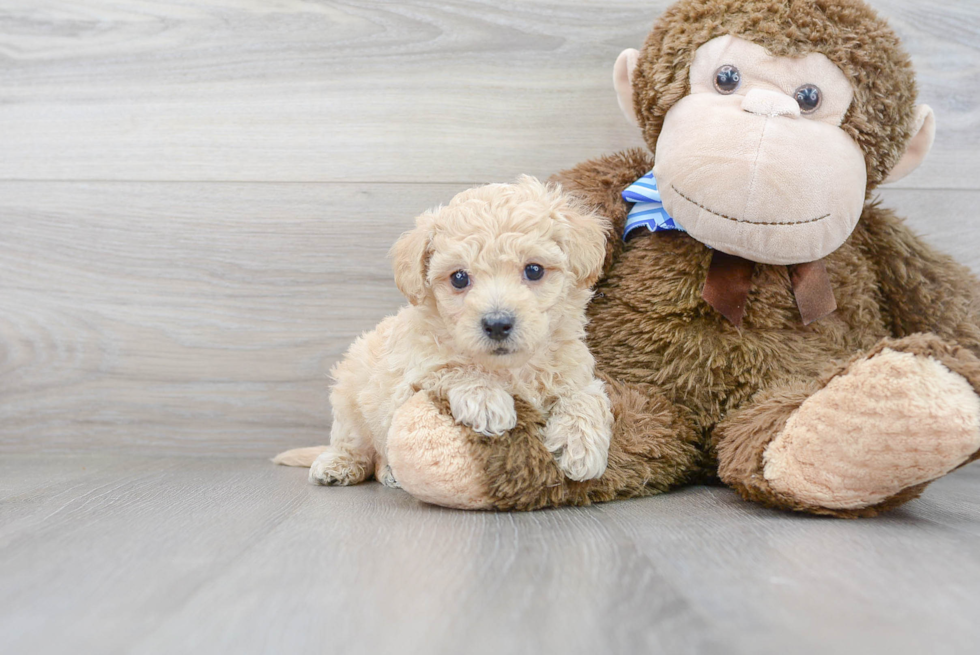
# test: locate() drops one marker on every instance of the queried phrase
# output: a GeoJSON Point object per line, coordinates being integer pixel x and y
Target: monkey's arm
{"type": "Point", "coordinates": [600, 183]}
{"type": "Point", "coordinates": [922, 290]}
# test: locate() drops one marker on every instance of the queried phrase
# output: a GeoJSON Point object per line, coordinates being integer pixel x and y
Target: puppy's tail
{"type": "Point", "coordinates": [299, 456]}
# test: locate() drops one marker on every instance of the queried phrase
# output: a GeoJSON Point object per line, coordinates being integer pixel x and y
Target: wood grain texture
{"type": "Point", "coordinates": [949, 220]}
{"type": "Point", "coordinates": [176, 316]}
{"type": "Point", "coordinates": [106, 554]}
{"type": "Point", "coordinates": [196, 200]}
{"type": "Point", "coordinates": [416, 91]}
{"type": "Point", "coordinates": [162, 315]}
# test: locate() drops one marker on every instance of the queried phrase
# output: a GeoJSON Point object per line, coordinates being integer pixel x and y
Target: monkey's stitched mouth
{"type": "Point", "coordinates": [742, 220]}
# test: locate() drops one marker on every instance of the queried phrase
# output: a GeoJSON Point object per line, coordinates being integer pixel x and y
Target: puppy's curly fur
{"type": "Point", "coordinates": [467, 267]}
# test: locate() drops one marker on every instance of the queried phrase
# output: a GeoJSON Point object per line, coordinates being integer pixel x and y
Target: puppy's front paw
{"type": "Point", "coordinates": [487, 409]}
{"type": "Point", "coordinates": [338, 467]}
{"type": "Point", "coordinates": [578, 433]}
{"type": "Point", "coordinates": [579, 456]}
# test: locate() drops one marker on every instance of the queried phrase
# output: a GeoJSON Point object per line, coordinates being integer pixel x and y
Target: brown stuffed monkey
{"type": "Point", "coordinates": [788, 335]}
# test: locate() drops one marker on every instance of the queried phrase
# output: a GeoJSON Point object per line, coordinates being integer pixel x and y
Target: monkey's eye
{"type": "Point", "coordinates": [727, 80]}
{"type": "Point", "coordinates": [534, 272]}
{"type": "Point", "coordinates": [460, 279]}
{"type": "Point", "coordinates": [809, 97]}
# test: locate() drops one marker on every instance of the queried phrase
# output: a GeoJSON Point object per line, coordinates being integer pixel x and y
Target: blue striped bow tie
{"type": "Point", "coordinates": [648, 210]}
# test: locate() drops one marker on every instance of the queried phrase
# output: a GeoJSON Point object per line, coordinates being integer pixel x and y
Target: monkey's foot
{"type": "Point", "coordinates": [892, 421]}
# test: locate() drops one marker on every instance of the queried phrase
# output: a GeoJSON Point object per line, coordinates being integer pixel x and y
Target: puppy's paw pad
{"type": "Point", "coordinates": [336, 467]}
{"type": "Point", "coordinates": [488, 410]}
{"type": "Point", "coordinates": [387, 478]}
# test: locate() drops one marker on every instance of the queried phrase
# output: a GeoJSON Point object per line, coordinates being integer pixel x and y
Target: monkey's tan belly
{"type": "Point", "coordinates": [650, 325]}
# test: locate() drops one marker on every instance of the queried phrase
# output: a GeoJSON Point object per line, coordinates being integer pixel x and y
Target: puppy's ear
{"type": "Point", "coordinates": [583, 238]}
{"type": "Point", "coordinates": [410, 260]}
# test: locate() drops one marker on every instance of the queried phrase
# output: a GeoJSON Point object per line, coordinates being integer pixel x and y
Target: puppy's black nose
{"type": "Point", "coordinates": [498, 326]}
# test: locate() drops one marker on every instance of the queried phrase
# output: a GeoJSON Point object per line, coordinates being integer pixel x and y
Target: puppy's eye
{"type": "Point", "coordinates": [809, 98]}
{"type": "Point", "coordinates": [534, 272]}
{"type": "Point", "coordinates": [460, 279]}
{"type": "Point", "coordinates": [727, 80]}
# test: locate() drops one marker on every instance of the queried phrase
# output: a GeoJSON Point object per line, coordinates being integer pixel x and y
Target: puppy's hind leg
{"type": "Point", "coordinates": [348, 459]}
{"type": "Point", "coordinates": [382, 471]}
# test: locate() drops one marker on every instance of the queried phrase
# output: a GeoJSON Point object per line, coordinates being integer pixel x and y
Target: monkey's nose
{"type": "Point", "coordinates": [498, 326]}
{"type": "Point", "coordinates": [770, 103]}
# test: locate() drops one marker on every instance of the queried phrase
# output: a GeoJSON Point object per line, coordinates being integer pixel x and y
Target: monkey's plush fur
{"type": "Point", "coordinates": [849, 416]}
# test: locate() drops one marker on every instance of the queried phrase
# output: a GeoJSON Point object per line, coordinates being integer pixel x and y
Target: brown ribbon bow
{"type": "Point", "coordinates": [730, 279]}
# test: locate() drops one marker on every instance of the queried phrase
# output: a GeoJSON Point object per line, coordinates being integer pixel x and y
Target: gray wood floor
{"type": "Point", "coordinates": [196, 199]}
{"type": "Point", "coordinates": [105, 554]}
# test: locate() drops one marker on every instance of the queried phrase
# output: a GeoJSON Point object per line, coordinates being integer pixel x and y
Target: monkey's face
{"type": "Point", "coordinates": [754, 162]}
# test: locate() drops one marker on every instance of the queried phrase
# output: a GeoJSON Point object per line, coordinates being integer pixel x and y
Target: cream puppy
{"type": "Point", "coordinates": [498, 282]}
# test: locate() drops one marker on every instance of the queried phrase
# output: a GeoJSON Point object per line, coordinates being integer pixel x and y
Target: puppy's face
{"type": "Point", "coordinates": [498, 293]}
{"type": "Point", "coordinates": [502, 267]}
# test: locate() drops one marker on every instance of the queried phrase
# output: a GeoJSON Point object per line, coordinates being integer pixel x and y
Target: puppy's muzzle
{"type": "Point", "coordinates": [498, 327]}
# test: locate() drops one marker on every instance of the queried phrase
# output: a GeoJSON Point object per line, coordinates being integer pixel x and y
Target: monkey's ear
{"type": "Point", "coordinates": [623, 81]}
{"type": "Point", "coordinates": [410, 260]}
{"type": "Point", "coordinates": [919, 145]}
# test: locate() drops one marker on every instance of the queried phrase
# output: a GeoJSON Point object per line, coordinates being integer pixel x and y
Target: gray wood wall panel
{"type": "Point", "coordinates": [383, 91]}
{"type": "Point", "coordinates": [206, 316]}
{"type": "Point", "coordinates": [196, 198]}
{"type": "Point", "coordinates": [168, 315]}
